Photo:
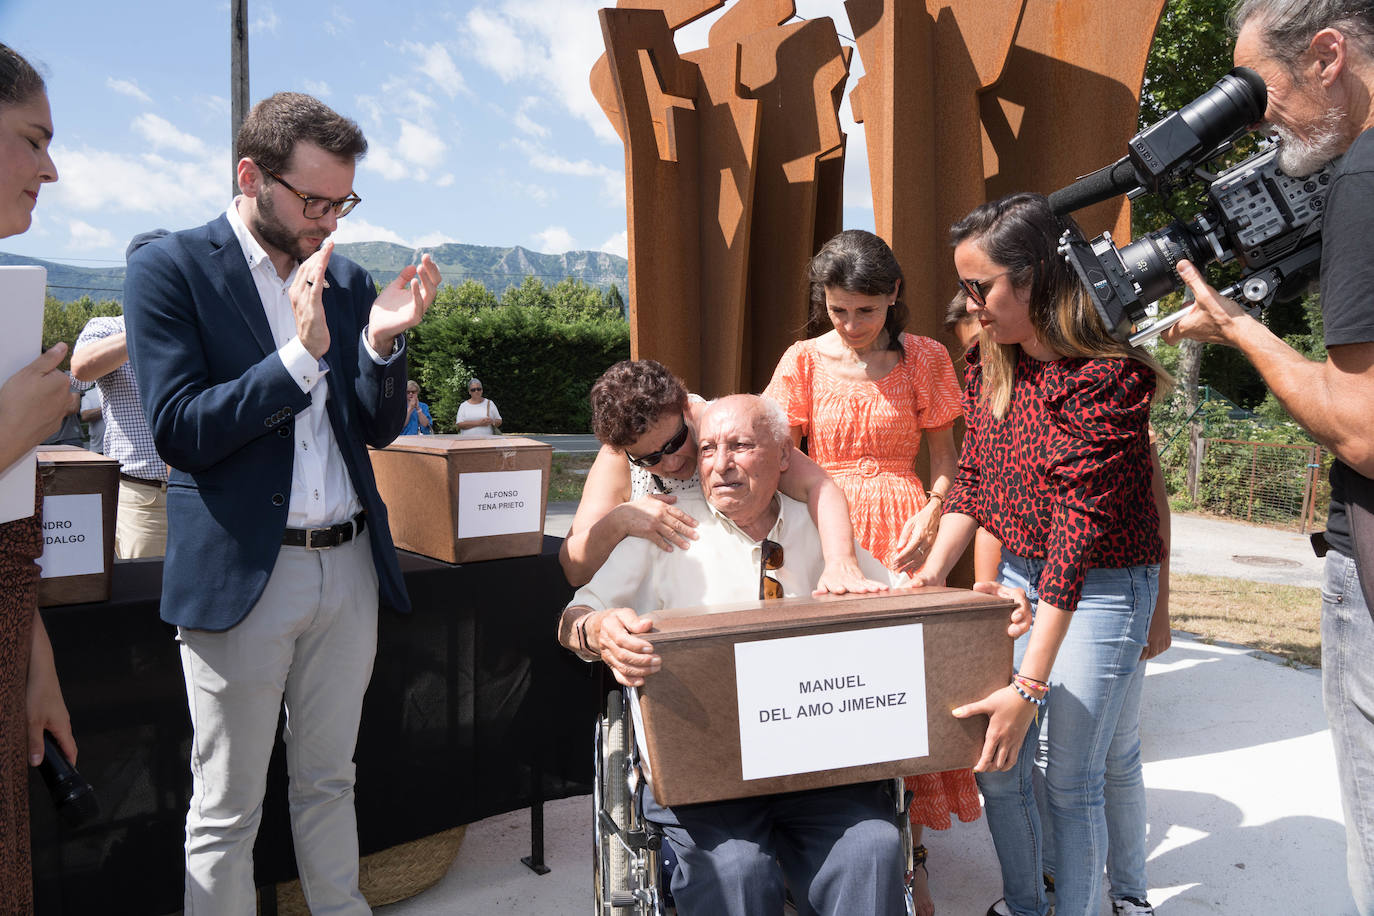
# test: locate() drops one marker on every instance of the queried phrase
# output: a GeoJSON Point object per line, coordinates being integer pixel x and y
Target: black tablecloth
{"type": "Point", "coordinates": [470, 697]}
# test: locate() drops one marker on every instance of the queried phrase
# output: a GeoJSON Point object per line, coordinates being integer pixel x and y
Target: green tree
{"type": "Point", "coordinates": [64, 320]}
{"type": "Point", "coordinates": [531, 292]}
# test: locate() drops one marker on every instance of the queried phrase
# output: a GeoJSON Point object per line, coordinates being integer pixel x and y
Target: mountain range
{"type": "Point", "coordinates": [494, 268]}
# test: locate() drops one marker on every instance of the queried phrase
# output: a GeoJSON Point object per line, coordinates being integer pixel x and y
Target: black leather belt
{"type": "Point", "coordinates": [321, 538]}
{"type": "Point", "coordinates": [160, 484]}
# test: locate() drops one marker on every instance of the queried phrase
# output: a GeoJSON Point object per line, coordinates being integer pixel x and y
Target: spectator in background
{"type": "Point", "coordinates": [477, 416]}
{"type": "Point", "coordinates": [418, 419]}
{"type": "Point", "coordinates": [101, 358]}
{"type": "Point", "coordinates": [92, 415]}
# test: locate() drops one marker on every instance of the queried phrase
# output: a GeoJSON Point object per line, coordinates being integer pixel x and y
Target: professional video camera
{"type": "Point", "coordinates": [1266, 220]}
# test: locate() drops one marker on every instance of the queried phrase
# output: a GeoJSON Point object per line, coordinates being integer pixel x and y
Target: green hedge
{"type": "Point", "coordinates": [537, 363]}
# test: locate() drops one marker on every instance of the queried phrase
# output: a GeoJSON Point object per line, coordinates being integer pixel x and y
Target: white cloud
{"type": "Point", "coordinates": [338, 22]}
{"type": "Point", "coordinates": [420, 145]}
{"type": "Point", "coordinates": [612, 180]}
{"type": "Point", "coordinates": [524, 122]}
{"type": "Point", "coordinates": [554, 240]}
{"type": "Point", "coordinates": [216, 104]}
{"type": "Point", "coordinates": [354, 229]}
{"type": "Point", "coordinates": [535, 192]}
{"type": "Point", "coordinates": [444, 181]}
{"type": "Point", "coordinates": [85, 237]}
{"type": "Point", "coordinates": [180, 192]}
{"type": "Point", "coordinates": [618, 244]}
{"type": "Point", "coordinates": [162, 134]}
{"type": "Point", "coordinates": [317, 88]}
{"type": "Point", "coordinates": [436, 63]}
{"type": "Point", "coordinates": [266, 21]}
{"type": "Point", "coordinates": [127, 87]}
{"type": "Point", "coordinates": [550, 43]}
{"type": "Point", "coordinates": [384, 162]}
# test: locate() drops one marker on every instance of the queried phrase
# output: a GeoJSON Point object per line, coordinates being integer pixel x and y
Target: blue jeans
{"type": "Point", "coordinates": [1348, 695]}
{"type": "Point", "coordinates": [1089, 687]}
{"type": "Point", "coordinates": [1124, 795]}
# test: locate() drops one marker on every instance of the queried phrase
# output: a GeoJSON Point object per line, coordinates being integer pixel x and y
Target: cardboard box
{"type": "Point", "coordinates": [80, 497]}
{"type": "Point", "coordinates": [800, 693]}
{"type": "Point", "coordinates": [463, 500]}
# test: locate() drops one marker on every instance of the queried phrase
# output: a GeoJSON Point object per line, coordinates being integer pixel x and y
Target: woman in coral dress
{"type": "Point", "coordinates": [864, 395]}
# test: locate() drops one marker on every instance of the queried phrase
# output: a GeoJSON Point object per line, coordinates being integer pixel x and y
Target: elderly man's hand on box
{"type": "Point", "coordinates": [614, 634]}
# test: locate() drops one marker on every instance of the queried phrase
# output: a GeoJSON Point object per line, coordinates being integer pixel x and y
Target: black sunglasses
{"type": "Point", "coordinates": [669, 447]}
{"type": "Point", "coordinates": [770, 555]}
{"type": "Point", "coordinates": [317, 207]}
{"type": "Point", "coordinates": [977, 289]}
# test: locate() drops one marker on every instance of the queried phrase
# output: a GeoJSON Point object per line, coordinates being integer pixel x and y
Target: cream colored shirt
{"type": "Point", "coordinates": [721, 566]}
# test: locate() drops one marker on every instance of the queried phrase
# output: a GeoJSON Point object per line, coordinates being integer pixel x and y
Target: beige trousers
{"type": "Point", "coordinates": [141, 521]}
{"type": "Point", "coordinates": [309, 642]}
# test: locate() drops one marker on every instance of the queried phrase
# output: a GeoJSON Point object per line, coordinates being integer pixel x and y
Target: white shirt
{"type": "Point", "coordinates": [470, 411]}
{"type": "Point", "coordinates": [321, 491]}
{"type": "Point", "coordinates": [720, 566]}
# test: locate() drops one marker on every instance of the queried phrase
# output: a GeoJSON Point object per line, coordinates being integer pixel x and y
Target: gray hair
{"type": "Point", "coordinates": [475, 381]}
{"type": "Point", "coordinates": [1287, 26]}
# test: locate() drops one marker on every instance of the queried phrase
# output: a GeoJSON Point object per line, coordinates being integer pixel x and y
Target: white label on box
{"type": "Point", "coordinates": [73, 536]}
{"type": "Point", "coordinates": [831, 700]}
{"type": "Point", "coordinates": [499, 502]}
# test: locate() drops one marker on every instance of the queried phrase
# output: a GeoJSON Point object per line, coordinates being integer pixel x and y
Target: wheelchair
{"type": "Point", "coordinates": [627, 850]}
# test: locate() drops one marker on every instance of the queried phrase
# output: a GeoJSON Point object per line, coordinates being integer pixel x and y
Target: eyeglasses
{"type": "Point", "coordinates": [672, 445]}
{"type": "Point", "coordinates": [977, 289]}
{"type": "Point", "coordinates": [474, 389]}
{"type": "Point", "coordinates": [317, 207]}
{"type": "Point", "coordinates": [771, 556]}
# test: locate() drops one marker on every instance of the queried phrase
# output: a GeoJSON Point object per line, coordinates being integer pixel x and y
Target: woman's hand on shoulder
{"type": "Point", "coordinates": [845, 577]}
{"type": "Point", "coordinates": [655, 518]}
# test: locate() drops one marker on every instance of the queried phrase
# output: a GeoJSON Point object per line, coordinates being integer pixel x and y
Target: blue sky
{"type": "Point", "coordinates": [481, 125]}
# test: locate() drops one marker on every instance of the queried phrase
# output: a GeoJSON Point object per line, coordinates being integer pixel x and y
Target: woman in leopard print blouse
{"type": "Point", "coordinates": [1056, 462]}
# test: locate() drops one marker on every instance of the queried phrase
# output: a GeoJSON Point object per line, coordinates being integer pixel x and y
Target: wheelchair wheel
{"type": "Point", "coordinates": [611, 802]}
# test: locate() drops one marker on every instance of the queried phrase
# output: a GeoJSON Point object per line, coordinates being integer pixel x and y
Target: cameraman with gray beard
{"type": "Point", "coordinates": [1317, 61]}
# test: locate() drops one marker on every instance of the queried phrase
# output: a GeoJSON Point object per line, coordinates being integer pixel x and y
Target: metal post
{"type": "Point", "coordinates": [238, 82]}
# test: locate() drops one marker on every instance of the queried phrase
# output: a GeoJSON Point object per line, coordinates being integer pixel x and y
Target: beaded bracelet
{"type": "Point", "coordinates": [1038, 701]}
{"type": "Point", "coordinates": [1034, 686]}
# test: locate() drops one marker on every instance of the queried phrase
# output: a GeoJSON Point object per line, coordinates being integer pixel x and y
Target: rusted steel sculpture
{"type": "Point", "coordinates": [734, 157]}
{"type": "Point", "coordinates": [734, 170]}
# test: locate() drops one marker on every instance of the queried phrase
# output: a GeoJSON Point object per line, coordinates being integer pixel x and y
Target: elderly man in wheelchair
{"type": "Point", "coordinates": [839, 849]}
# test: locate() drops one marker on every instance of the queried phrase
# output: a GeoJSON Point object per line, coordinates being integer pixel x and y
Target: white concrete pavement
{"type": "Point", "coordinates": [1244, 814]}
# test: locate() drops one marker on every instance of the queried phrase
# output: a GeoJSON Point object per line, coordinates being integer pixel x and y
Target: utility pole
{"type": "Point", "coordinates": [238, 82]}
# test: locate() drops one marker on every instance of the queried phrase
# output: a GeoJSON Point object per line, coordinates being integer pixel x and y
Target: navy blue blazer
{"type": "Point", "coordinates": [221, 407]}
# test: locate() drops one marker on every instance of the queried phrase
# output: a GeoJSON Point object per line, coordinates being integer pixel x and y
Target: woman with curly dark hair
{"type": "Point", "coordinates": [646, 421]}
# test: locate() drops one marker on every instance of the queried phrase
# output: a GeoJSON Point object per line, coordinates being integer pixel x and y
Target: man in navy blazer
{"type": "Point", "coordinates": [266, 367]}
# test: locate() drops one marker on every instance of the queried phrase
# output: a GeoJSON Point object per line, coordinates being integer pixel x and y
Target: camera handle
{"type": "Point", "coordinates": [1255, 292]}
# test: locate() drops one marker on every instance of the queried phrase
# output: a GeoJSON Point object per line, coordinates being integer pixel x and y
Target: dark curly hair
{"type": "Point", "coordinates": [859, 262]}
{"type": "Point", "coordinates": [630, 397]}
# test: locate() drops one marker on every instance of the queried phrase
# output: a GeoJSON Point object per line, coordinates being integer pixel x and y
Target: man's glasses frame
{"type": "Point", "coordinates": [670, 447]}
{"type": "Point", "coordinates": [770, 558]}
{"type": "Point", "coordinates": [977, 289]}
{"type": "Point", "coordinates": [322, 205]}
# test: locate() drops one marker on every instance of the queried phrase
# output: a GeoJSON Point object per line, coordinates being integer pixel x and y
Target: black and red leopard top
{"type": "Point", "coordinates": [1065, 475]}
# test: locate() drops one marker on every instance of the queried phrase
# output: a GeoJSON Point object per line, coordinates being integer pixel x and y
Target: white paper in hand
{"type": "Point", "coordinates": [21, 293]}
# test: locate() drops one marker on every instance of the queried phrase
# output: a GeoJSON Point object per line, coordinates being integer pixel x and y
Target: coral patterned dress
{"type": "Point", "coordinates": [866, 434]}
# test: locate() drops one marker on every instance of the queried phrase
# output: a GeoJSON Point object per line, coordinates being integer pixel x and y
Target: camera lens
{"type": "Point", "coordinates": [1236, 101]}
{"type": "Point", "coordinates": [1150, 259]}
